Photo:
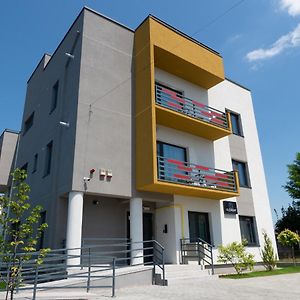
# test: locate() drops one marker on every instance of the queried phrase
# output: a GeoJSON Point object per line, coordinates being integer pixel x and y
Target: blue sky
{"type": "Point", "coordinates": [259, 40]}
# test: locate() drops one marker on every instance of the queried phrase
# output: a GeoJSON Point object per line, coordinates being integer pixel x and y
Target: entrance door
{"type": "Point", "coordinates": [199, 226]}
{"type": "Point", "coordinates": [147, 233]}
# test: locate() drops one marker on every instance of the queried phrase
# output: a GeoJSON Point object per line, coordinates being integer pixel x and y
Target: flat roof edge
{"type": "Point", "coordinates": [238, 84]}
{"type": "Point", "coordinates": [181, 33]}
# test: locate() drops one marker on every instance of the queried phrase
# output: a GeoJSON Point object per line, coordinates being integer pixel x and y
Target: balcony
{"type": "Point", "coordinates": [185, 114]}
{"type": "Point", "coordinates": [184, 178]}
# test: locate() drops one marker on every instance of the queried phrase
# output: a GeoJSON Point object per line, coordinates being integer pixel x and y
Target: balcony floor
{"type": "Point", "coordinates": [179, 121]}
{"type": "Point", "coordinates": [186, 190]}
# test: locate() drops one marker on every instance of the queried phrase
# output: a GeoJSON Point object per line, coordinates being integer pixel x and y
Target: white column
{"type": "Point", "coordinates": [136, 230]}
{"type": "Point", "coordinates": [74, 226]}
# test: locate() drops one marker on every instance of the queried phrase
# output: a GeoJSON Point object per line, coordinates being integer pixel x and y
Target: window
{"type": "Point", "coordinates": [24, 167]}
{"type": "Point", "coordinates": [35, 162]}
{"type": "Point", "coordinates": [54, 96]}
{"type": "Point", "coordinates": [48, 158]}
{"type": "Point", "coordinates": [42, 237]}
{"type": "Point", "coordinates": [165, 152]}
{"type": "Point", "coordinates": [242, 169]}
{"type": "Point", "coordinates": [248, 230]}
{"type": "Point", "coordinates": [236, 123]}
{"type": "Point", "coordinates": [28, 123]}
{"type": "Point", "coordinates": [199, 226]}
{"type": "Point", "coordinates": [167, 97]}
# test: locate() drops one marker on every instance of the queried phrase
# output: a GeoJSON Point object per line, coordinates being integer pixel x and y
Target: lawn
{"type": "Point", "coordinates": [2, 286]}
{"type": "Point", "coordinates": [279, 271]}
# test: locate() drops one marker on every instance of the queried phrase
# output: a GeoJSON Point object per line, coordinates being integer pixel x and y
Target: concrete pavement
{"type": "Point", "coordinates": [272, 287]}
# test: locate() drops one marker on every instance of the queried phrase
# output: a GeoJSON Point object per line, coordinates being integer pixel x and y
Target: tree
{"type": "Point", "coordinates": [290, 218]}
{"type": "Point", "coordinates": [267, 253]}
{"type": "Point", "coordinates": [235, 253]}
{"type": "Point", "coordinates": [20, 231]}
{"type": "Point", "coordinates": [290, 239]}
{"type": "Point", "coordinates": [293, 184]}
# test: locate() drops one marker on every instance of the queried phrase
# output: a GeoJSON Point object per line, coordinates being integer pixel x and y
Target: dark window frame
{"type": "Point", "coordinates": [252, 227]}
{"type": "Point", "coordinates": [207, 221]}
{"type": "Point", "coordinates": [35, 162]}
{"type": "Point", "coordinates": [54, 96]}
{"type": "Point", "coordinates": [28, 123]}
{"type": "Point", "coordinates": [48, 158]}
{"type": "Point", "coordinates": [239, 131]}
{"type": "Point", "coordinates": [247, 176]}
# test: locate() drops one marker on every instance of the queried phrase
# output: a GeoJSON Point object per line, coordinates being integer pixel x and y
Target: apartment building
{"type": "Point", "coordinates": [138, 134]}
{"type": "Point", "coordinates": [8, 145]}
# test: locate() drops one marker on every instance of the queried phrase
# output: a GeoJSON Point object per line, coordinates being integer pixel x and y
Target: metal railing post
{"type": "Point", "coordinates": [89, 271]}
{"type": "Point", "coordinates": [114, 278]}
{"type": "Point", "coordinates": [163, 266]}
{"type": "Point", "coordinates": [198, 249]}
{"type": "Point", "coordinates": [212, 262]}
{"type": "Point", "coordinates": [35, 282]}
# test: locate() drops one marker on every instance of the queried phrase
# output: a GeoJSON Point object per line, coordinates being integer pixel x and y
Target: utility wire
{"type": "Point", "coordinates": [217, 18]}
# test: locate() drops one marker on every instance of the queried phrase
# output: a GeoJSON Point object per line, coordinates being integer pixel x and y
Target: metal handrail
{"type": "Point", "coordinates": [202, 245]}
{"type": "Point", "coordinates": [56, 266]}
{"type": "Point", "coordinates": [177, 102]}
{"type": "Point", "coordinates": [187, 173]}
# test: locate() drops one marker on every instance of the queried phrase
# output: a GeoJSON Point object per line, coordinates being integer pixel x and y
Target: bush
{"type": "Point", "coordinates": [289, 238]}
{"type": "Point", "coordinates": [267, 253]}
{"type": "Point", "coordinates": [236, 255]}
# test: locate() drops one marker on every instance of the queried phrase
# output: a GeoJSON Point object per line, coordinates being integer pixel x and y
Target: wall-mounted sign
{"type": "Point", "coordinates": [230, 207]}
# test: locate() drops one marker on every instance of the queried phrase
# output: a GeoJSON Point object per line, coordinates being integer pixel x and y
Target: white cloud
{"type": "Point", "coordinates": [292, 6]}
{"type": "Point", "coordinates": [290, 40]}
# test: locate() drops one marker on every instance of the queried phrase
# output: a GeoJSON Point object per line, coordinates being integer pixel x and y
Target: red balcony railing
{"type": "Point", "coordinates": [180, 172]}
{"type": "Point", "coordinates": [175, 101]}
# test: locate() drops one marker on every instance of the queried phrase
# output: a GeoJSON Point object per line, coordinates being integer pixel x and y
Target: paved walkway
{"type": "Point", "coordinates": [272, 287]}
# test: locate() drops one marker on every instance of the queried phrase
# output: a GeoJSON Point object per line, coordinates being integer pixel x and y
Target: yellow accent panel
{"type": "Point", "coordinates": [180, 56]}
{"type": "Point", "coordinates": [181, 214]}
{"type": "Point", "coordinates": [173, 119]}
{"type": "Point", "coordinates": [145, 111]}
{"type": "Point", "coordinates": [185, 190]}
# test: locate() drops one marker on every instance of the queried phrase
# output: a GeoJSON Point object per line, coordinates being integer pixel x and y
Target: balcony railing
{"type": "Point", "coordinates": [175, 101]}
{"type": "Point", "coordinates": [180, 172]}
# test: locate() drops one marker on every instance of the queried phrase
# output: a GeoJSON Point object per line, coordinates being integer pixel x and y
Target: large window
{"type": "Point", "coordinates": [54, 96]}
{"type": "Point", "coordinates": [35, 162]}
{"type": "Point", "coordinates": [199, 226]}
{"type": "Point", "coordinates": [236, 123]}
{"type": "Point", "coordinates": [248, 230]}
{"type": "Point", "coordinates": [48, 158]}
{"type": "Point", "coordinates": [242, 169]}
{"type": "Point", "coordinates": [166, 152]}
{"type": "Point", "coordinates": [28, 123]}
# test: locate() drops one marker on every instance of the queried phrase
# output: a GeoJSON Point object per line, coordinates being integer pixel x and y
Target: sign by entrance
{"type": "Point", "coordinates": [230, 207]}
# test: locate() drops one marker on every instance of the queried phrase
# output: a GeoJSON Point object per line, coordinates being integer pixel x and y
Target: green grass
{"type": "Point", "coordinates": [287, 270]}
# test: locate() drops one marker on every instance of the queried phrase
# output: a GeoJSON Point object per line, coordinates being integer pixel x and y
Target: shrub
{"type": "Point", "coordinates": [236, 255]}
{"type": "Point", "coordinates": [267, 253]}
{"type": "Point", "coordinates": [289, 238]}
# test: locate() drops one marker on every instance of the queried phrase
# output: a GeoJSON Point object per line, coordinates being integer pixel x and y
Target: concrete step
{"type": "Point", "coordinates": [185, 272]}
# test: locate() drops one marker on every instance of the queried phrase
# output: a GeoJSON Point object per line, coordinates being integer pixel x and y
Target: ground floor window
{"type": "Point", "coordinates": [199, 226]}
{"type": "Point", "coordinates": [248, 230]}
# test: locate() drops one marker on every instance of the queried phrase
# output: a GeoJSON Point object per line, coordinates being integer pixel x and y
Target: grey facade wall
{"type": "Point", "coordinates": [104, 118]}
{"type": "Point", "coordinates": [8, 144]}
{"type": "Point", "coordinates": [45, 190]}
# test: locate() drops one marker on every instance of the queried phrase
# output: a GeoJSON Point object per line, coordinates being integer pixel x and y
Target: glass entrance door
{"type": "Point", "coordinates": [199, 226]}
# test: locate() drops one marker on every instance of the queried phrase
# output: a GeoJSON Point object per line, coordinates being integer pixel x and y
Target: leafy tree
{"type": "Point", "coordinates": [20, 231]}
{"type": "Point", "coordinates": [290, 239]}
{"type": "Point", "coordinates": [290, 218]}
{"type": "Point", "coordinates": [235, 253]}
{"type": "Point", "coordinates": [267, 253]}
{"type": "Point", "coordinates": [293, 184]}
